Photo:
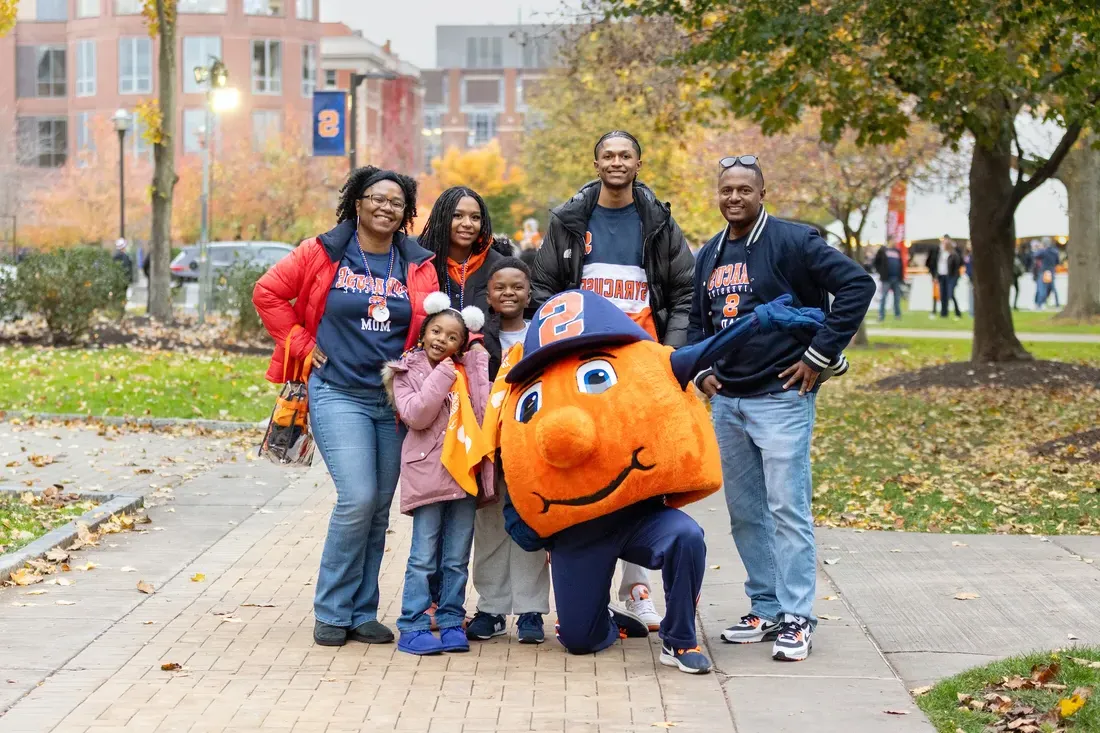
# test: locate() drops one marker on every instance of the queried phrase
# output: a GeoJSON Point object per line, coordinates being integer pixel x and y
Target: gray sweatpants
{"type": "Point", "coordinates": [507, 579]}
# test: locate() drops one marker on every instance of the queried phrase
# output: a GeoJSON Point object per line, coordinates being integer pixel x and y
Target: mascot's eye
{"type": "Point", "coordinates": [596, 376]}
{"type": "Point", "coordinates": [529, 403]}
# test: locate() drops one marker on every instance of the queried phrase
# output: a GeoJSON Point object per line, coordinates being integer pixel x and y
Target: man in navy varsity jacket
{"type": "Point", "coordinates": [763, 398]}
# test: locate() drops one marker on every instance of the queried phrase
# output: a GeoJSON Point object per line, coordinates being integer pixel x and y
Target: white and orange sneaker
{"type": "Point", "coordinates": [794, 642]}
{"type": "Point", "coordinates": [640, 605]}
{"type": "Point", "coordinates": [751, 629]}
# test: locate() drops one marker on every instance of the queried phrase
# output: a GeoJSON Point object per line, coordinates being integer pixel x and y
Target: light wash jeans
{"type": "Point", "coordinates": [360, 440]}
{"type": "Point", "coordinates": [441, 538]}
{"type": "Point", "coordinates": [765, 446]}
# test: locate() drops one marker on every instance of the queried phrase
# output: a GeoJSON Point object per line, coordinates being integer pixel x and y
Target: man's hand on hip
{"type": "Point", "coordinates": [800, 372]}
{"type": "Point", "coordinates": [711, 386]}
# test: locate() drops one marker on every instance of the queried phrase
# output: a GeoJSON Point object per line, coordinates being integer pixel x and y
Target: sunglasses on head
{"type": "Point", "coordinates": [732, 160]}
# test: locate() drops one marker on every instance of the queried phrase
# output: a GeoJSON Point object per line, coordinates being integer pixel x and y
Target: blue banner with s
{"type": "Point", "coordinates": [329, 117]}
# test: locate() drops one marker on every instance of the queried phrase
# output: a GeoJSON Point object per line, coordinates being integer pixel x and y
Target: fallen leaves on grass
{"type": "Point", "coordinates": [918, 691]}
{"type": "Point", "coordinates": [1084, 662]}
{"type": "Point", "coordinates": [1068, 706]}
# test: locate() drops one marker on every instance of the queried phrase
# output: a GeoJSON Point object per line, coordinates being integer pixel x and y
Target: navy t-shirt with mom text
{"type": "Point", "coordinates": [357, 346]}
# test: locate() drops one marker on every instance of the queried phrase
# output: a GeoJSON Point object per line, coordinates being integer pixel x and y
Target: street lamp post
{"type": "Point", "coordinates": [122, 122]}
{"type": "Point", "coordinates": [356, 80]}
{"type": "Point", "coordinates": [216, 76]}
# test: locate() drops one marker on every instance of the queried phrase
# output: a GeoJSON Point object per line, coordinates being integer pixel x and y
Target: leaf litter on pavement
{"type": "Point", "coordinates": [950, 460]}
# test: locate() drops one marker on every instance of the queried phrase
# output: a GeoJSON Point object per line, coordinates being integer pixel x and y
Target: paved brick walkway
{"type": "Point", "coordinates": [255, 668]}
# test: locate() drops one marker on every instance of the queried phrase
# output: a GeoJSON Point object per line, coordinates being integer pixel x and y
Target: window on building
{"type": "Point", "coordinates": [433, 83]}
{"type": "Point", "coordinates": [51, 11]}
{"type": "Point", "coordinates": [309, 69]}
{"type": "Point", "coordinates": [85, 143]}
{"type": "Point", "coordinates": [135, 65]}
{"type": "Point", "coordinates": [135, 139]}
{"type": "Point", "coordinates": [484, 53]}
{"type": "Point", "coordinates": [481, 127]}
{"type": "Point", "coordinates": [194, 120]}
{"type": "Point", "coordinates": [85, 68]}
{"type": "Point", "coordinates": [263, 7]}
{"type": "Point", "coordinates": [87, 8]}
{"type": "Point", "coordinates": [433, 136]}
{"type": "Point", "coordinates": [305, 9]}
{"type": "Point", "coordinates": [42, 141]}
{"type": "Point", "coordinates": [40, 71]}
{"type": "Point", "coordinates": [201, 6]}
{"type": "Point", "coordinates": [267, 67]}
{"type": "Point", "coordinates": [330, 78]}
{"type": "Point", "coordinates": [127, 7]}
{"type": "Point", "coordinates": [267, 124]}
{"type": "Point", "coordinates": [198, 51]}
{"type": "Point", "coordinates": [481, 92]}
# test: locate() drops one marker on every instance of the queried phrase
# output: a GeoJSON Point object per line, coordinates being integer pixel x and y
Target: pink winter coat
{"type": "Point", "coordinates": [420, 395]}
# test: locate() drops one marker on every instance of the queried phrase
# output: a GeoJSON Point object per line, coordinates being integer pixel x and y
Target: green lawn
{"type": "Point", "coordinates": [942, 703]}
{"type": "Point", "coordinates": [1025, 322]}
{"type": "Point", "coordinates": [22, 522]}
{"type": "Point", "coordinates": [135, 383]}
{"type": "Point", "coordinates": [951, 460]}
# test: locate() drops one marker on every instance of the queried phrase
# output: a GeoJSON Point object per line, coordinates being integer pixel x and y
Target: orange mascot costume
{"type": "Point", "coordinates": [601, 441]}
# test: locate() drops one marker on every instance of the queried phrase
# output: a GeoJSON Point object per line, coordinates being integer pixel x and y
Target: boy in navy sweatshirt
{"type": "Point", "coordinates": [763, 399]}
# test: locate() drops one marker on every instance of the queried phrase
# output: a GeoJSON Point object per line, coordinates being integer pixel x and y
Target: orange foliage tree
{"type": "Point", "coordinates": [484, 170]}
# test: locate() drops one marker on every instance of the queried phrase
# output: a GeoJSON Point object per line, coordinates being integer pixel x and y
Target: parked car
{"type": "Point", "coordinates": [185, 267]}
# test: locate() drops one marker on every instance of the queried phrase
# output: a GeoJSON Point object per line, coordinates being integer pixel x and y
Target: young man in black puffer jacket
{"type": "Point", "coordinates": [615, 238]}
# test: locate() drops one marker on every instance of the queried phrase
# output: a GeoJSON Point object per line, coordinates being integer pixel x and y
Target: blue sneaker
{"type": "Point", "coordinates": [453, 639]}
{"type": "Point", "coordinates": [419, 642]}
{"type": "Point", "coordinates": [630, 625]}
{"type": "Point", "coordinates": [529, 628]}
{"type": "Point", "coordinates": [692, 661]}
{"type": "Point", "coordinates": [484, 626]}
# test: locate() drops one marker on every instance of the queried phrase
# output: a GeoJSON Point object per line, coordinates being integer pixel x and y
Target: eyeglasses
{"type": "Point", "coordinates": [732, 160]}
{"type": "Point", "coordinates": [379, 200]}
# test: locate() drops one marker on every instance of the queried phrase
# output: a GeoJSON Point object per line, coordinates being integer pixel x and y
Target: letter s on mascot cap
{"type": "Point", "coordinates": [593, 415]}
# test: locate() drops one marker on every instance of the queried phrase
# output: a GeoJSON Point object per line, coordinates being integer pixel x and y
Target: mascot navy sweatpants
{"type": "Point", "coordinates": [582, 562]}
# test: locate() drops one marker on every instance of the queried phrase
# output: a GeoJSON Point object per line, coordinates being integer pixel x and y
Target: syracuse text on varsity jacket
{"type": "Point", "coordinates": [776, 257]}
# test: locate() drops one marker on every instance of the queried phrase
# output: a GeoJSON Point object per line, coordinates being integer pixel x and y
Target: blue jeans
{"type": "Point", "coordinates": [892, 285]}
{"type": "Point", "coordinates": [947, 293]}
{"type": "Point", "coordinates": [360, 440]}
{"type": "Point", "coordinates": [442, 535]}
{"type": "Point", "coordinates": [765, 447]}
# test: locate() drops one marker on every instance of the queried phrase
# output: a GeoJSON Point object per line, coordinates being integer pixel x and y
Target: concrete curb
{"type": "Point", "coordinates": [64, 535]}
{"type": "Point", "coordinates": [149, 422]}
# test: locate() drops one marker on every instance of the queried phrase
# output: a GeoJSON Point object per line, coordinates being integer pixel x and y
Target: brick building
{"type": "Point", "coordinates": [388, 132]}
{"type": "Point", "coordinates": [68, 61]}
{"type": "Point", "coordinates": [477, 92]}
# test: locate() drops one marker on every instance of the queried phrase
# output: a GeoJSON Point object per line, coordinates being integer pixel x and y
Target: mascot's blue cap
{"type": "Point", "coordinates": [569, 321]}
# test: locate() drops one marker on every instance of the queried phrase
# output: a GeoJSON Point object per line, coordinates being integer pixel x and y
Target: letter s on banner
{"type": "Point", "coordinates": [329, 123]}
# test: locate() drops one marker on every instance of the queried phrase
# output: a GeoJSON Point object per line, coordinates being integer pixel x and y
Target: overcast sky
{"type": "Point", "coordinates": [410, 24]}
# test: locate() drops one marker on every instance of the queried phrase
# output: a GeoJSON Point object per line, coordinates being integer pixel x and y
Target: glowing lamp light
{"type": "Point", "coordinates": [225, 99]}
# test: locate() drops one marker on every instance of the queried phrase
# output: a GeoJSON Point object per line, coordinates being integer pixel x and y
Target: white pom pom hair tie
{"type": "Point", "coordinates": [439, 301]}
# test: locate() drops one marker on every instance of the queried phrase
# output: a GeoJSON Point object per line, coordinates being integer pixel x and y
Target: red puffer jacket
{"type": "Point", "coordinates": [295, 290]}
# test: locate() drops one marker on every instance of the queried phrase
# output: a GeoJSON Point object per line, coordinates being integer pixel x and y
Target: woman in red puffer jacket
{"type": "Point", "coordinates": [351, 300]}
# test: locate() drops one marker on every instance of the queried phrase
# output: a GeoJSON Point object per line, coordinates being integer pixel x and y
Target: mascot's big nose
{"type": "Point", "coordinates": [565, 437]}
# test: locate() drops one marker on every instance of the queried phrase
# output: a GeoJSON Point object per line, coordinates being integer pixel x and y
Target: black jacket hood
{"type": "Point", "coordinates": [336, 241]}
{"type": "Point", "coordinates": [575, 213]}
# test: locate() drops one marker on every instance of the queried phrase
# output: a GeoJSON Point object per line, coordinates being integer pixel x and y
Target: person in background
{"type": "Point", "coordinates": [968, 267]}
{"type": "Point", "coordinates": [123, 259]}
{"type": "Point", "coordinates": [347, 302]}
{"type": "Point", "coordinates": [890, 267]}
{"type": "Point", "coordinates": [1020, 262]}
{"type": "Point", "coordinates": [616, 239]}
{"type": "Point", "coordinates": [1048, 259]}
{"type": "Point", "coordinates": [507, 578]}
{"type": "Point", "coordinates": [946, 265]}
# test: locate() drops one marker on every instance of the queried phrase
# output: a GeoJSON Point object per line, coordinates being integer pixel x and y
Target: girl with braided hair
{"type": "Point", "coordinates": [460, 235]}
{"type": "Point", "coordinates": [340, 306]}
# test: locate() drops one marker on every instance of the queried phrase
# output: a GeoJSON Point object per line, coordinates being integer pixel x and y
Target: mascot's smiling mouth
{"type": "Point", "coordinates": [602, 493]}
